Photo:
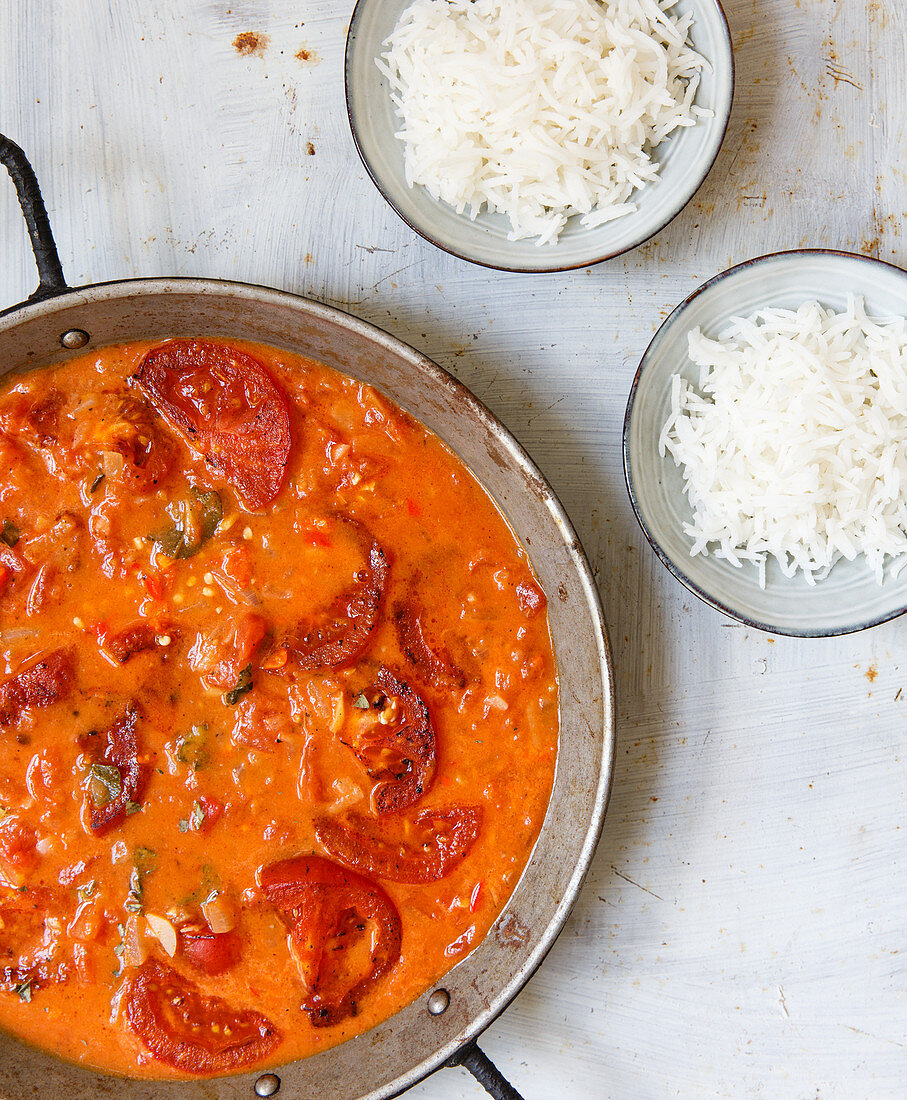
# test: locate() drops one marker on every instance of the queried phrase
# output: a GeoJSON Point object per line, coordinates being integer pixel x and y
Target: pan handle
{"type": "Point", "coordinates": [50, 272]}
{"type": "Point", "coordinates": [488, 1075]}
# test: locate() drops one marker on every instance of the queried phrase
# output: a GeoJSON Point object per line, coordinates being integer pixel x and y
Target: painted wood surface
{"type": "Point", "coordinates": [742, 932]}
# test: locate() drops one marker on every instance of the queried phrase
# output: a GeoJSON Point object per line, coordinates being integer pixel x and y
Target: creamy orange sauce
{"type": "Point", "coordinates": [180, 609]}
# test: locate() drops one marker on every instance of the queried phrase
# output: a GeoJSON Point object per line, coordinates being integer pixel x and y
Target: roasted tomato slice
{"type": "Point", "coordinates": [432, 663]}
{"type": "Point", "coordinates": [12, 558]}
{"type": "Point", "coordinates": [345, 932]}
{"type": "Point", "coordinates": [424, 850]}
{"type": "Point", "coordinates": [227, 406]}
{"type": "Point", "coordinates": [46, 681]}
{"type": "Point", "coordinates": [343, 630]}
{"type": "Point", "coordinates": [137, 638]}
{"type": "Point", "coordinates": [391, 733]}
{"type": "Point", "coordinates": [209, 952]}
{"type": "Point", "coordinates": [122, 779]}
{"type": "Point", "coordinates": [191, 1032]}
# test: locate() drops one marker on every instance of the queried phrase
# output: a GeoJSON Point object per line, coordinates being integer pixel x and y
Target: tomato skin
{"type": "Point", "coordinates": [185, 1029]}
{"type": "Point", "coordinates": [347, 625]}
{"type": "Point", "coordinates": [432, 664]}
{"type": "Point", "coordinates": [45, 682]}
{"type": "Point", "coordinates": [18, 854]}
{"type": "Point", "coordinates": [212, 809]}
{"type": "Point", "coordinates": [531, 598]}
{"type": "Point", "coordinates": [137, 638]}
{"type": "Point", "coordinates": [147, 454]}
{"type": "Point", "coordinates": [400, 755]}
{"type": "Point", "coordinates": [326, 908]}
{"type": "Point", "coordinates": [155, 585]}
{"type": "Point", "coordinates": [35, 420]}
{"type": "Point", "coordinates": [122, 753]}
{"type": "Point", "coordinates": [226, 405]}
{"type": "Point", "coordinates": [31, 924]}
{"type": "Point", "coordinates": [261, 719]}
{"type": "Point", "coordinates": [44, 777]}
{"type": "Point", "coordinates": [222, 654]}
{"type": "Point", "coordinates": [235, 569]}
{"type": "Point", "coordinates": [209, 952]}
{"type": "Point", "coordinates": [371, 847]}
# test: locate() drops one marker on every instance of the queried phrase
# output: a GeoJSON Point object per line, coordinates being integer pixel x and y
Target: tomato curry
{"type": "Point", "coordinates": [278, 708]}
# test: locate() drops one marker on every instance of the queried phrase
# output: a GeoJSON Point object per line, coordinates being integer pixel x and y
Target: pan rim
{"type": "Point", "coordinates": [520, 460]}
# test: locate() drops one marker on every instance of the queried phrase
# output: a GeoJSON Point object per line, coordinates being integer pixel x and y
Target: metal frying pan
{"type": "Point", "coordinates": [441, 1026]}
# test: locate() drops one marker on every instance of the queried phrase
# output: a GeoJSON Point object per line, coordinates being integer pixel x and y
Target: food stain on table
{"type": "Point", "coordinates": [251, 44]}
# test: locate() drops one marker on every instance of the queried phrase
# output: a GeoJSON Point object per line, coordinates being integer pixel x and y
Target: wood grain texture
{"type": "Point", "coordinates": [743, 927]}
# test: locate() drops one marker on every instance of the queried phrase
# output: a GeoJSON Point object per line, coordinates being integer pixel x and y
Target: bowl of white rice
{"type": "Point", "coordinates": [538, 135]}
{"type": "Point", "coordinates": [765, 442]}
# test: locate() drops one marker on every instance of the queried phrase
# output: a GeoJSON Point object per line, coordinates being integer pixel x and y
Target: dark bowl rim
{"type": "Point", "coordinates": [549, 269]}
{"type": "Point", "coordinates": [669, 564]}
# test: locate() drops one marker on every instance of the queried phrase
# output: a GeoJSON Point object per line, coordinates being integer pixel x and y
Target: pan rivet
{"type": "Point", "coordinates": [75, 338]}
{"type": "Point", "coordinates": [438, 1002]}
{"type": "Point", "coordinates": [267, 1084]}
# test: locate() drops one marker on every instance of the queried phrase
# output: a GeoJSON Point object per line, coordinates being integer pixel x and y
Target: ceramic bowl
{"type": "Point", "coordinates": [685, 156]}
{"type": "Point", "coordinates": [849, 599]}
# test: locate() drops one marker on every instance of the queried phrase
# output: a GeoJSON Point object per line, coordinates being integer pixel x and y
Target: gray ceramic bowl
{"type": "Point", "coordinates": [685, 157]}
{"type": "Point", "coordinates": [849, 598]}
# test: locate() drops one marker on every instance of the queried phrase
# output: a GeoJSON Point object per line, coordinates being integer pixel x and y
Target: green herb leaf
{"type": "Point", "coordinates": [169, 540]}
{"type": "Point", "coordinates": [210, 877]}
{"type": "Point", "coordinates": [135, 899]}
{"type": "Point", "coordinates": [24, 991]}
{"type": "Point", "coordinates": [105, 783]}
{"type": "Point", "coordinates": [360, 702]}
{"type": "Point", "coordinates": [132, 808]}
{"type": "Point", "coordinates": [134, 902]}
{"type": "Point", "coordinates": [144, 859]}
{"type": "Point", "coordinates": [184, 825]}
{"type": "Point", "coordinates": [201, 516]}
{"type": "Point", "coordinates": [96, 483]}
{"type": "Point", "coordinates": [10, 533]}
{"type": "Point", "coordinates": [212, 511]}
{"type": "Point", "coordinates": [243, 684]}
{"type": "Point", "coordinates": [197, 817]}
{"type": "Point", "coordinates": [191, 748]}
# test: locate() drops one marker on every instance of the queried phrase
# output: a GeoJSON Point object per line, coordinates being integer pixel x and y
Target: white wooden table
{"type": "Point", "coordinates": [742, 932]}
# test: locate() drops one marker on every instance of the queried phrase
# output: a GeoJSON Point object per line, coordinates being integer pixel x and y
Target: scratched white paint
{"type": "Point", "coordinates": [742, 930]}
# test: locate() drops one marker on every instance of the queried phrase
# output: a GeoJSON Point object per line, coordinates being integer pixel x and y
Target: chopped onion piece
{"type": "Point", "coordinates": [220, 913]}
{"type": "Point", "coordinates": [135, 947]}
{"type": "Point", "coordinates": [163, 931]}
{"type": "Point", "coordinates": [112, 463]}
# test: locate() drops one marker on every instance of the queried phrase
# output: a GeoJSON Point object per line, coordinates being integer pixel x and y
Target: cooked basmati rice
{"type": "Point", "coordinates": [794, 445]}
{"type": "Point", "coordinates": [539, 109]}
